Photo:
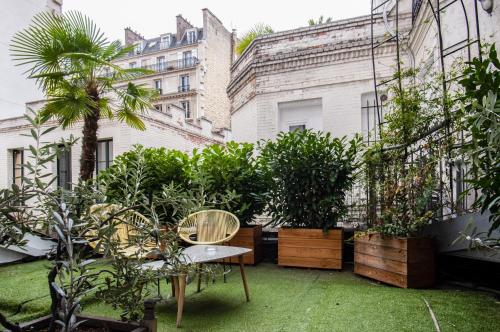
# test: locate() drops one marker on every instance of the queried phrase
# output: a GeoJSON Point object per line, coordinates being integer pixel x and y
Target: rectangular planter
{"type": "Point", "coordinates": [402, 262]}
{"type": "Point", "coordinates": [310, 248]}
{"type": "Point", "coordinates": [251, 238]}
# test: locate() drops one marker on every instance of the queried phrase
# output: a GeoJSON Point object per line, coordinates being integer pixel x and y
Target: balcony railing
{"type": "Point", "coordinates": [165, 66]}
{"type": "Point", "coordinates": [173, 65]}
{"type": "Point", "coordinates": [184, 88]}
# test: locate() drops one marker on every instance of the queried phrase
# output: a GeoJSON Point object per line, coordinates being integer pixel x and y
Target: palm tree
{"type": "Point", "coordinates": [258, 30]}
{"type": "Point", "coordinates": [71, 61]}
{"type": "Point", "coordinates": [321, 20]}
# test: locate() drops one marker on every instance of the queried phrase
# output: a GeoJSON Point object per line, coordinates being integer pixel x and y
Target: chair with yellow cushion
{"type": "Point", "coordinates": [127, 226]}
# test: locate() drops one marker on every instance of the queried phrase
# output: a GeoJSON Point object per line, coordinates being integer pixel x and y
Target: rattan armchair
{"type": "Point", "coordinates": [208, 227]}
{"type": "Point", "coordinates": [128, 224]}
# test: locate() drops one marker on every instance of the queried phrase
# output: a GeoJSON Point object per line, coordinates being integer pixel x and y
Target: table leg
{"type": "Point", "coordinates": [180, 297]}
{"type": "Point", "coordinates": [243, 277]}
{"type": "Point", "coordinates": [175, 287]}
{"type": "Point", "coordinates": [199, 277]}
{"type": "Point", "coordinates": [172, 285]}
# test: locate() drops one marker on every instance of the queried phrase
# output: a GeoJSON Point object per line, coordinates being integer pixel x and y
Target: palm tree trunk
{"type": "Point", "coordinates": [89, 141]}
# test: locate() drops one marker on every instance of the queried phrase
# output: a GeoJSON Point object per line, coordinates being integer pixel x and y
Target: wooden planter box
{"type": "Point", "coordinates": [251, 238]}
{"type": "Point", "coordinates": [310, 248]}
{"type": "Point", "coordinates": [402, 262]}
{"type": "Point", "coordinates": [107, 324]}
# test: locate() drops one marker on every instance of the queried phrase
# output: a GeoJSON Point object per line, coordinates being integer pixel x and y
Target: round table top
{"type": "Point", "coordinates": [201, 254]}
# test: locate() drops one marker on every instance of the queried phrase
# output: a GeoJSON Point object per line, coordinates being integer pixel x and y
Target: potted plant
{"type": "Point", "coordinates": [233, 168]}
{"type": "Point", "coordinates": [401, 171]}
{"type": "Point", "coordinates": [308, 174]}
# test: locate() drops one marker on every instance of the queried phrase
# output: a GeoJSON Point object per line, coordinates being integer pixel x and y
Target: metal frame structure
{"type": "Point", "coordinates": [389, 11]}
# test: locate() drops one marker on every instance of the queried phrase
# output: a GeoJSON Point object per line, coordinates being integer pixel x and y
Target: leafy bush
{"type": "Point", "coordinates": [308, 174]}
{"type": "Point", "coordinates": [258, 30]}
{"type": "Point", "coordinates": [161, 167]}
{"type": "Point", "coordinates": [232, 168]}
{"type": "Point", "coordinates": [481, 119]}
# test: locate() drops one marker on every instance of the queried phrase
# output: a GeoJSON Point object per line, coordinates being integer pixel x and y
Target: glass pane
{"type": "Point", "coordinates": [110, 152]}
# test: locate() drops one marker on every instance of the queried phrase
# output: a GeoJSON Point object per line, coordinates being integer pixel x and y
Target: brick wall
{"type": "Point", "coordinates": [217, 55]}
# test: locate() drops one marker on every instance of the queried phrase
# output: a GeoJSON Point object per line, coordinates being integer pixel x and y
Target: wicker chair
{"type": "Point", "coordinates": [129, 222]}
{"type": "Point", "coordinates": [209, 227]}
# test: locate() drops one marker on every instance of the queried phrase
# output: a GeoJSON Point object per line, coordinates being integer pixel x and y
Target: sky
{"type": "Point", "coordinates": [153, 17]}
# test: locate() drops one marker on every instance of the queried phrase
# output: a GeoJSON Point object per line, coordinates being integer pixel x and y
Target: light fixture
{"type": "Point", "coordinates": [487, 5]}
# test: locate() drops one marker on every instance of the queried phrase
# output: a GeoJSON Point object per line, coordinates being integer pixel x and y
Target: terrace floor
{"type": "Point", "coordinates": [283, 299]}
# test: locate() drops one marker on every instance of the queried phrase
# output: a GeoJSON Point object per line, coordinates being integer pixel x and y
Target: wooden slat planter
{"type": "Point", "coordinates": [310, 248]}
{"type": "Point", "coordinates": [402, 262]}
{"type": "Point", "coordinates": [251, 238]}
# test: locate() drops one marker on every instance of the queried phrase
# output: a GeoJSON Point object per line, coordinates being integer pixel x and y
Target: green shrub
{"type": "Point", "coordinates": [161, 168]}
{"type": "Point", "coordinates": [308, 174]}
{"type": "Point", "coordinates": [232, 168]}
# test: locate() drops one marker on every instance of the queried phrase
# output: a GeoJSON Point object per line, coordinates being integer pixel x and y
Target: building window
{"type": "Point", "coordinates": [160, 63]}
{"type": "Point", "coordinates": [370, 124]}
{"type": "Point", "coordinates": [132, 64]}
{"type": "Point", "coordinates": [184, 83]}
{"type": "Point", "coordinates": [104, 155]}
{"type": "Point", "coordinates": [191, 36]}
{"type": "Point", "coordinates": [300, 127]}
{"type": "Point", "coordinates": [158, 86]}
{"type": "Point", "coordinates": [187, 58]}
{"type": "Point", "coordinates": [17, 166]}
{"type": "Point", "coordinates": [138, 48]}
{"type": "Point", "coordinates": [165, 42]}
{"type": "Point", "coordinates": [185, 105]}
{"type": "Point", "coordinates": [64, 169]}
{"type": "Point", "coordinates": [158, 107]}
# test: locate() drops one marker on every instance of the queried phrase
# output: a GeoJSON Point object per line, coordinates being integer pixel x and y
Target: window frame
{"type": "Point", "coordinates": [109, 159]}
{"type": "Point", "coordinates": [186, 106]}
{"type": "Point", "coordinates": [14, 168]}
{"type": "Point", "coordinates": [67, 184]}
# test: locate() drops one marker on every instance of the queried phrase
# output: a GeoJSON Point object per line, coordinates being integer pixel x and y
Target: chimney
{"type": "Point", "coordinates": [131, 36]}
{"type": "Point", "coordinates": [182, 25]}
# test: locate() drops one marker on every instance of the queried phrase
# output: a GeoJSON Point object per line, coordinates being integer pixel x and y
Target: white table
{"type": "Point", "coordinates": [201, 254]}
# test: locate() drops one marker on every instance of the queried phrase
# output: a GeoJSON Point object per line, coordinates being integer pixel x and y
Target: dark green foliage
{"type": "Point", "coordinates": [232, 168]}
{"type": "Point", "coordinates": [161, 167]}
{"type": "Point", "coordinates": [308, 174]}
{"type": "Point", "coordinates": [482, 121]}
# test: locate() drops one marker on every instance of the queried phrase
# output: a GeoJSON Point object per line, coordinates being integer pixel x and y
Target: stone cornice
{"type": "Point", "coordinates": [303, 59]}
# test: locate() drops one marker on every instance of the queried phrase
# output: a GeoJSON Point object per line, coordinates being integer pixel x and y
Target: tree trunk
{"type": "Point", "coordinates": [89, 141]}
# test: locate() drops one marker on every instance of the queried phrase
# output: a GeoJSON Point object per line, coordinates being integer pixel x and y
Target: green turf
{"type": "Point", "coordinates": [282, 300]}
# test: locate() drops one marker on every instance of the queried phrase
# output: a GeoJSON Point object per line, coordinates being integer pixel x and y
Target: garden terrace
{"type": "Point", "coordinates": [283, 299]}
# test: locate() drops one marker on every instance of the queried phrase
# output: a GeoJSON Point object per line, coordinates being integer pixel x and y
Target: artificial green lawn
{"type": "Point", "coordinates": [282, 299]}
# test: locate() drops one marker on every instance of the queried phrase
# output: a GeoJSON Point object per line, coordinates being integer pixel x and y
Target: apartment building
{"type": "Point", "coordinates": [190, 70]}
{"type": "Point", "coordinates": [190, 67]}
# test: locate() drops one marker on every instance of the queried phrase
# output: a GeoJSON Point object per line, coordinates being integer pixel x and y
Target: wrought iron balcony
{"type": "Point", "coordinates": [173, 65]}
{"type": "Point", "coordinates": [184, 88]}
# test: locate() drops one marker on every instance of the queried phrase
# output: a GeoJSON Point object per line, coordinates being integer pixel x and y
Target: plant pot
{"type": "Point", "coordinates": [310, 248]}
{"type": "Point", "coordinates": [251, 238]}
{"type": "Point", "coordinates": [399, 261]}
{"type": "Point", "coordinates": [94, 322]}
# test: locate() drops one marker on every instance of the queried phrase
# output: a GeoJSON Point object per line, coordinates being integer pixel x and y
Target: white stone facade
{"type": "Point", "coordinates": [15, 89]}
{"type": "Point", "coordinates": [331, 65]}
{"type": "Point", "coordinates": [191, 67]}
{"type": "Point", "coordinates": [171, 131]}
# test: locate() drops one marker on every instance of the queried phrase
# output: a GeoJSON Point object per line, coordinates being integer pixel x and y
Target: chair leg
{"type": "Point", "coordinates": [181, 286]}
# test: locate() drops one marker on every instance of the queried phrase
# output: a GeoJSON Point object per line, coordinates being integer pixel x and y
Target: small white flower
{"type": "Point", "coordinates": [468, 238]}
